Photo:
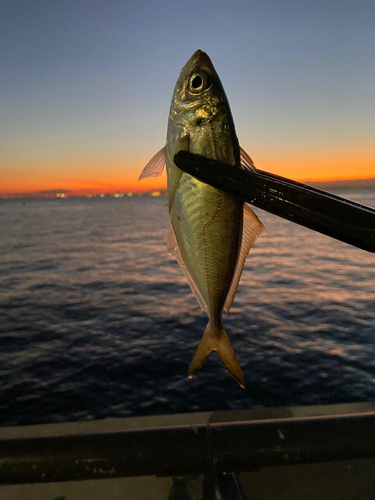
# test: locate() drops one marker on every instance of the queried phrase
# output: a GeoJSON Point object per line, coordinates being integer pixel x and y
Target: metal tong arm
{"type": "Point", "coordinates": [318, 210]}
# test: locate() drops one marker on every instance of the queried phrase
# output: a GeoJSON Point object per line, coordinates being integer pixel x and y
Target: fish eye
{"type": "Point", "coordinates": [198, 83]}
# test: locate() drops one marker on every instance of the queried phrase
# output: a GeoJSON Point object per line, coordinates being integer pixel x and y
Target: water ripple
{"type": "Point", "coordinates": [97, 321]}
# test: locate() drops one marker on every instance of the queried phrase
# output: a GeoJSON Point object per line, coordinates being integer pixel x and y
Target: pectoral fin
{"type": "Point", "coordinates": [251, 229]}
{"type": "Point", "coordinates": [155, 166]}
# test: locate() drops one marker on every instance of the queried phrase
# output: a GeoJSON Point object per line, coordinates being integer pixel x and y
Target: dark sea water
{"type": "Point", "coordinates": [97, 321]}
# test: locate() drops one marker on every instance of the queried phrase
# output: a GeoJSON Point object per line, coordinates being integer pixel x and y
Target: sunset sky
{"type": "Point", "coordinates": [85, 86]}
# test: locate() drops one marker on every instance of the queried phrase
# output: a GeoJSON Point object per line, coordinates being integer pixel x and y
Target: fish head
{"type": "Point", "coordinates": [198, 95]}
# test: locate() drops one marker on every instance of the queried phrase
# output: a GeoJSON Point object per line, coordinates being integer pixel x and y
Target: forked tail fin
{"type": "Point", "coordinates": [217, 340]}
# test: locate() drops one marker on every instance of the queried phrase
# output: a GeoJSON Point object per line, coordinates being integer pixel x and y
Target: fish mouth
{"type": "Point", "coordinates": [200, 60]}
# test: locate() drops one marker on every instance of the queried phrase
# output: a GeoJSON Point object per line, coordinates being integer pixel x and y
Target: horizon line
{"type": "Point", "coordinates": [125, 191]}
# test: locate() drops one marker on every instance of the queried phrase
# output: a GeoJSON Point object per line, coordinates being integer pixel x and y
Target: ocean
{"type": "Point", "coordinates": [97, 321]}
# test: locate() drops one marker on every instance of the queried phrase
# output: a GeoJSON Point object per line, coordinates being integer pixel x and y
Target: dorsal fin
{"type": "Point", "coordinates": [251, 229]}
{"type": "Point", "coordinates": [246, 162]}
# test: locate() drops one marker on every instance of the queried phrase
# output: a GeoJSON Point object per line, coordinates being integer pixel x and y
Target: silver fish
{"type": "Point", "coordinates": [211, 232]}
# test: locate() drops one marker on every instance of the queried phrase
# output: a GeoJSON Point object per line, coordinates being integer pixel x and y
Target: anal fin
{"type": "Point", "coordinates": [174, 250]}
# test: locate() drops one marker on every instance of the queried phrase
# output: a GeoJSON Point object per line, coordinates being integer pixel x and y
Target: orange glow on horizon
{"type": "Point", "coordinates": [82, 177]}
{"type": "Point", "coordinates": [318, 165]}
{"type": "Point", "coordinates": [79, 179]}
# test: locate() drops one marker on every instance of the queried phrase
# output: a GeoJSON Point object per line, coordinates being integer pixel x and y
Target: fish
{"type": "Point", "coordinates": [211, 232]}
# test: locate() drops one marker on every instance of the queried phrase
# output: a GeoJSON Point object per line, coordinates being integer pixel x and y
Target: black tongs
{"type": "Point", "coordinates": [324, 212]}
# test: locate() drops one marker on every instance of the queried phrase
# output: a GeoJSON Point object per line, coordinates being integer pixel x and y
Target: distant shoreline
{"type": "Point", "coordinates": [63, 193]}
{"type": "Point", "coordinates": [344, 184]}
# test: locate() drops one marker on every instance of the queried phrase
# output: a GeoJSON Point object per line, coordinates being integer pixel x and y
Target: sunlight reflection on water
{"type": "Point", "coordinates": [97, 321]}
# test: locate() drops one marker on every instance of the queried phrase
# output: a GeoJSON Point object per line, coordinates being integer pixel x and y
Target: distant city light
{"type": "Point", "coordinates": [155, 193]}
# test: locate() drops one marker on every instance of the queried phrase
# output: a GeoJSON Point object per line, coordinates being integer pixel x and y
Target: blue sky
{"type": "Point", "coordinates": [85, 86]}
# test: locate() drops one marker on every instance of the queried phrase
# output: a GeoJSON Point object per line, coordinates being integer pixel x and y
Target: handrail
{"type": "Point", "coordinates": [207, 443]}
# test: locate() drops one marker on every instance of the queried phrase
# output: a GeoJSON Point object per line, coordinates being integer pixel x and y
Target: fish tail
{"type": "Point", "coordinates": [216, 339]}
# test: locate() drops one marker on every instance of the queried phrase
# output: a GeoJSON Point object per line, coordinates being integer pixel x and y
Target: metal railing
{"type": "Point", "coordinates": [197, 443]}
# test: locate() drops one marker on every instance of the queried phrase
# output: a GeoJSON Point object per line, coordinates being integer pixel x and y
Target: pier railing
{"type": "Point", "coordinates": [186, 444]}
